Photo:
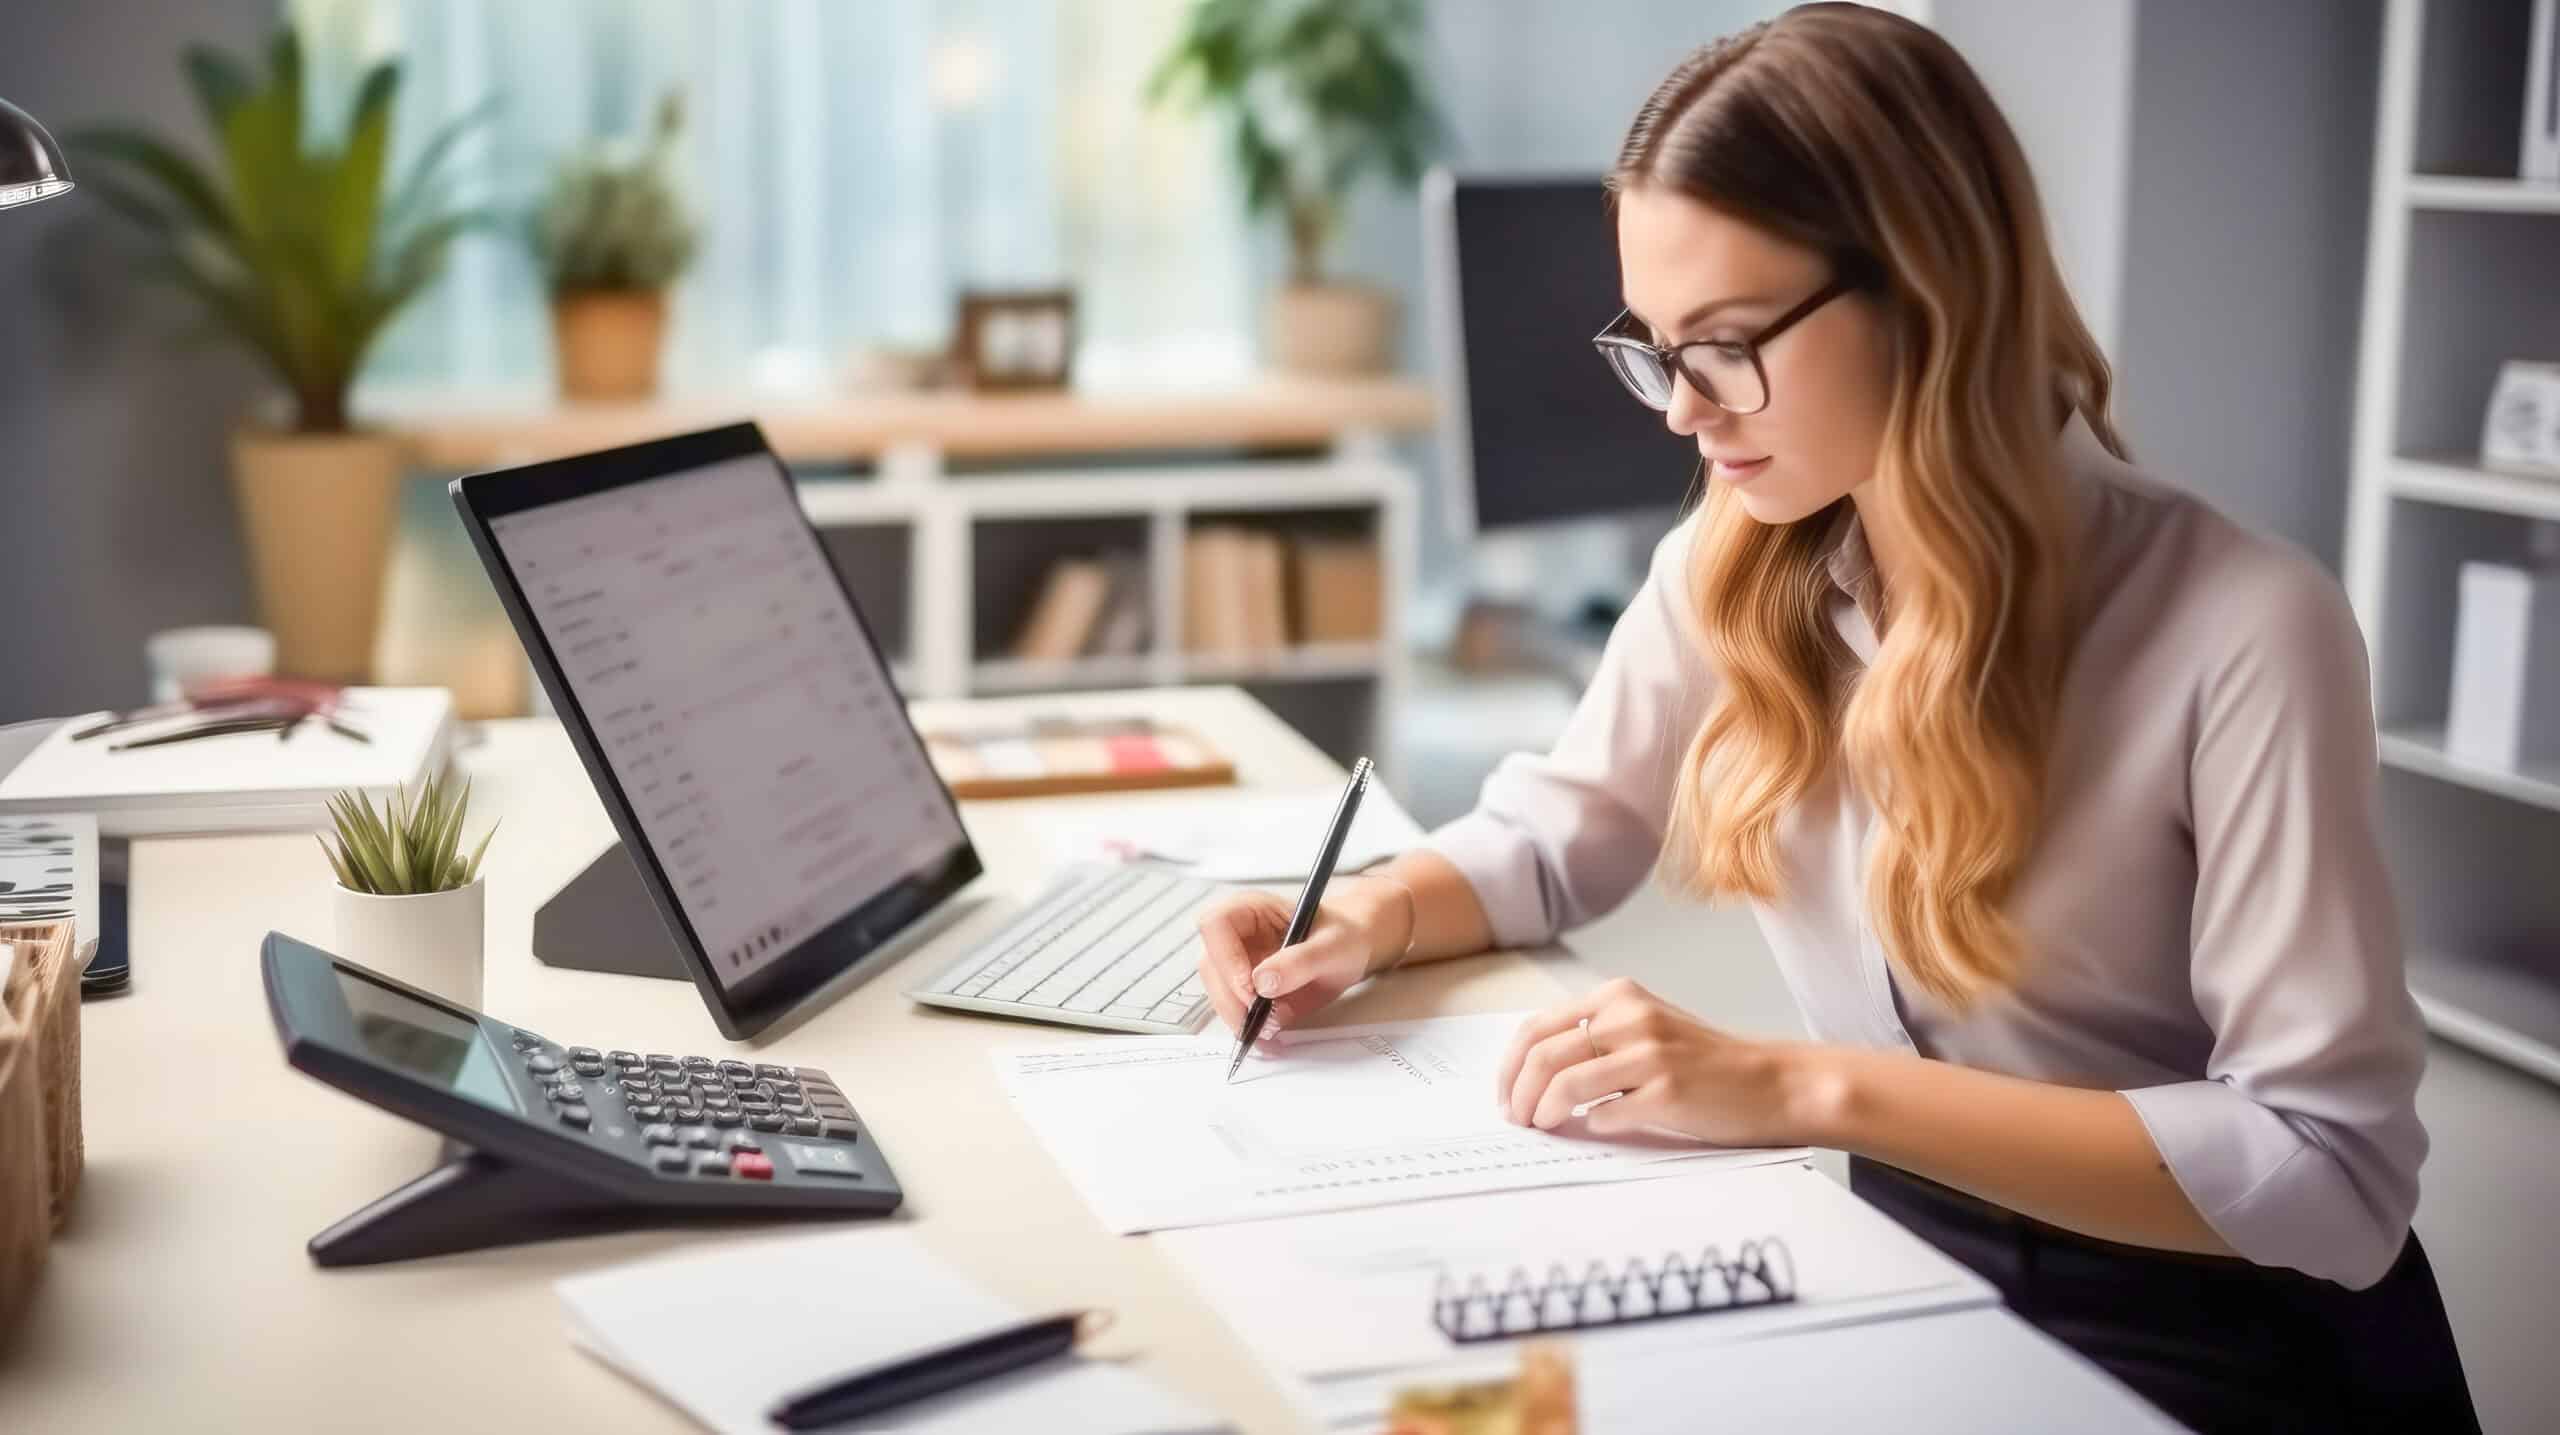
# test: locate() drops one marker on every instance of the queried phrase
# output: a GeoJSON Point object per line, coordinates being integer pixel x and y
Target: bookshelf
{"type": "Point", "coordinates": [952, 506]}
{"type": "Point", "coordinates": [976, 548]}
{"type": "Point", "coordinates": [2459, 277]}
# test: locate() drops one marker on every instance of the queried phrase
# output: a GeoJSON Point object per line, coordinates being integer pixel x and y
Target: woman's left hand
{"type": "Point", "coordinates": [1680, 1075]}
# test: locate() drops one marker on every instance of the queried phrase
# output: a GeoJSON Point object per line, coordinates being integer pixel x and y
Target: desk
{"type": "Point", "coordinates": [181, 1299]}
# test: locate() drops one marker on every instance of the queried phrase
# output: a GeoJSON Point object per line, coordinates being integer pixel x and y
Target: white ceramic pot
{"type": "Point", "coordinates": [429, 939]}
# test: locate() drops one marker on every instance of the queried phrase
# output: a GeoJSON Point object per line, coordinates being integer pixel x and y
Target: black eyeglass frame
{"type": "Point", "coordinates": [1672, 357]}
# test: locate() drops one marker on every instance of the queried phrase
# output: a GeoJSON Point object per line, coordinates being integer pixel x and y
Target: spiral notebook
{"type": "Point", "coordinates": [1349, 1306]}
{"type": "Point", "coordinates": [1759, 1273]}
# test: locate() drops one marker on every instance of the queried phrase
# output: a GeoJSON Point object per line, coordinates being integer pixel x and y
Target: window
{"type": "Point", "coordinates": [852, 167]}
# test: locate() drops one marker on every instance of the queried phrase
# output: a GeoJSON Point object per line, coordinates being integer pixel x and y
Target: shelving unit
{"type": "Point", "coordinates": [954, 505]}
{"type": "Point", "coordinates": [965, 587]}
{"type": "Point", "coordinates": [2460, 277]}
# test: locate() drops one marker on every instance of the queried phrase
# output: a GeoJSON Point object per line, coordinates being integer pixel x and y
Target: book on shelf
{"type": "Point", "coordinates": [1235, 591]}
{"type": "Point", "coordinates": [1063, 617]}
{"type": "Point", "coordinates": [1337, 588]}
{"type": "Point", "coordinates": [1266, 593]}
{"type": "Point", "coordinates": [1126, 621]}
{"type": "Point", "coordinates": [1213, 593]}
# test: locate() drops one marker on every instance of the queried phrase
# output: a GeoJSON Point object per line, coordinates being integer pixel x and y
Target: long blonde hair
{"type": "Point", "coordinates": [1866, 137]}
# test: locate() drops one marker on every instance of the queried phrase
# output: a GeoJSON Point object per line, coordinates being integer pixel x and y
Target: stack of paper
{"type": "Point", "coordinates": [49, 871]}
{"type": "Point", "coordinates": [1155, 1137]}
{"type": "Point", "coordinates": [245, 782]}
{"type": "Point", "coordinates": [827, 1305]}
{"type": "Point", "coordinates": [1341, 1304]}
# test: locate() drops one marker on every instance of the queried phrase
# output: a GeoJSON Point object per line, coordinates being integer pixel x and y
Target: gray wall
{"type": "Point", "coordinates": [2062, 72]}
{"type": "Point", "coordinates": [2251, 168]}
{"type": "Point", "coordinates": [117, 517]}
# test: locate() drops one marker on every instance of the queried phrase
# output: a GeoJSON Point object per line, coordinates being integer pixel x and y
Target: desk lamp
{"type": "Point", "coordinates": [31, 166]}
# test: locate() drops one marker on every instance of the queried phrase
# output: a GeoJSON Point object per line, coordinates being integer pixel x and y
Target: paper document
{"type": "Point", "coordinates": [1154, 1137]}
{"type": "Point", "coordinates": [1351, 1291]}
{"type": "Point", "coordinates": [1953, 1373]}
{"type": "Point", "coordinates": [1231, 836]}
{"type": "Point", "coordinates": [817, 1307]}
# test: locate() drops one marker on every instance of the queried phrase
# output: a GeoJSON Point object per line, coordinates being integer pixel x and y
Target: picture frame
{"type": "Point", "coordinates": [2521, 432]}
{"type": "Point", "coordinates": [1015, 340]}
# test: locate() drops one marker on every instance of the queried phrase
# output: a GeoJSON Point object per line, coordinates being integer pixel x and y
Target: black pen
{"type": "Point", "coordinates": [931, 1372]}
{"type": "Point", "coordinates": [1304, 920]}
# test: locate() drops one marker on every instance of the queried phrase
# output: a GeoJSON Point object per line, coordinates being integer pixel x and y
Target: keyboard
{"type": "Point", "coordinates": [1106, 946]}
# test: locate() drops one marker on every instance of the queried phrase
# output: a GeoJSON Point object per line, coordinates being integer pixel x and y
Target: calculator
{"type": "Point", "coordinates": [551, 1139]}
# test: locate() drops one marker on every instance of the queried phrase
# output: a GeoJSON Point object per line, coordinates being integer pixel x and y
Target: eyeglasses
{"type": "Point", "coordinates": [1726, 372]}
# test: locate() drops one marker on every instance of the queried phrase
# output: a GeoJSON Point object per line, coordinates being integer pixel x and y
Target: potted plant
{"type": "Point", "coordinates": [611, 237]}
{"type": "Point", "coordinates": [409, 903]}
{"type": "Point", "coordinates": [297, 247]}
{"type": "Point", "coordinates": [1320, 94]}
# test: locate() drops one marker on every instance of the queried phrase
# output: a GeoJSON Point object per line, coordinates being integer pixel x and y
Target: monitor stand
{"type": "Point", "coordinates": [604, 920]}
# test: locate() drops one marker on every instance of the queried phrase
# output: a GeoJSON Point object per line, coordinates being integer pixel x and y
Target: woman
{"type": "Point", "coordinates": [2052, 789]}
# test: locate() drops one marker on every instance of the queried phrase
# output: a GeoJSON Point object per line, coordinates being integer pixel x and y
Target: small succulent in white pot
{"type": "Point", "coordinates": [410, 904]}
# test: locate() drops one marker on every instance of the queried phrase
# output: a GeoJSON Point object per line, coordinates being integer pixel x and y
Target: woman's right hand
{"type": "Point", "coordinates": [1241, 955]}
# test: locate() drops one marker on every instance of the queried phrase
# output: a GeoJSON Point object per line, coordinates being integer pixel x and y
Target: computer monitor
{"type": "Point", "coordinates": [1521, 273]}
{"type": "Point", "coordinates": [731, 707]}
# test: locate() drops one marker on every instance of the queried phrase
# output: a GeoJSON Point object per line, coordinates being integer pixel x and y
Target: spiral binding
{"type": "Point", "coordinates": [1761, 1273]}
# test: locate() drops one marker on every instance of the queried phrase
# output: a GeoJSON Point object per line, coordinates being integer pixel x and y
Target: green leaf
{"type": "Point", "coordinates": [354, 200]}
{"type": "Point", "coordinates": [219, 81]}
{"type": "Point", "coordinates": [284, 81]}
{"type": "Point", "coordinates": [182, 178]}
{"type": "Point", "coordinates": [352, 817]}
{"type": "Point", "coordinates": [228, 303]}
{"type": "Point", "coordinates": [346, 877]}
{"type": "Point", "coordinates": [414, 191]}
{"type": "Point", "coordinates": [263, 165]}
{"type": "Point", "coordinates": [472, 873]}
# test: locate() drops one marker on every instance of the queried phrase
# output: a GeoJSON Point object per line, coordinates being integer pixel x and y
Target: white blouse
{"type": "Point", "coordinates": [2211, 930]}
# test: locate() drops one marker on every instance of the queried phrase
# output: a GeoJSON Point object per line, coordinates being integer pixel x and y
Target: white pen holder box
{"type": "Point", "coordinates": [2504, 711]}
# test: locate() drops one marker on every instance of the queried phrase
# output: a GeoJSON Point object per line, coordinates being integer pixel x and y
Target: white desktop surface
{"type": "Point", "coordinates": [180, 1297]}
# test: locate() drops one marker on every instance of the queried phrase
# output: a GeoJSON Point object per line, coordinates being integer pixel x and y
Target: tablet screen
{"type": "Point", "coordinates": [744, 713]}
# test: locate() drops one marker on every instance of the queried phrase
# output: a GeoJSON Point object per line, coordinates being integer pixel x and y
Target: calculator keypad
{"type": "Point", "coordinates": [696, 1116]}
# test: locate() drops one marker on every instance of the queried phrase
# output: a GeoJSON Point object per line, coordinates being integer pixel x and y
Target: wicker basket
{"type": "Point", "coordinates": [26, 1204]}
{"type": "Point", "coordinates": [51, 968]}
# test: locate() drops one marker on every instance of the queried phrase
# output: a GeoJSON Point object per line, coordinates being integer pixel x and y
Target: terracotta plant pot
{"type": "Point", "coordinates": [606, 342]}
{"type": "Point", "coordinates": [1332, 329]}
{"type": "Point", "coordinates": [316, 511]}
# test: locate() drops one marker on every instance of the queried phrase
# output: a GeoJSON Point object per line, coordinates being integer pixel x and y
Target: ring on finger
{"type": "Point", "coordinates": [1592, 1041]}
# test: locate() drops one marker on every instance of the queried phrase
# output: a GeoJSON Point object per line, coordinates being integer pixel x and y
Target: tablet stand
{"type": "Point", "coordinates": [604, 920]}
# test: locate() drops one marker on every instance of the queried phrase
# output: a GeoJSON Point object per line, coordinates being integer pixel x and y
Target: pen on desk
{"type": "Point", "coordinates": [1304, 919]}
{"type": "Point", "coordinates": [931, 1372]}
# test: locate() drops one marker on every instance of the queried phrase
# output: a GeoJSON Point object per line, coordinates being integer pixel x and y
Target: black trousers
{"type": "Point", "coordinates": [2219, 1344]}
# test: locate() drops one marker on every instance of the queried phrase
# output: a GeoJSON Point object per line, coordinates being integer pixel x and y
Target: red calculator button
{"type": "Point", "coordinates": [751, 1166]}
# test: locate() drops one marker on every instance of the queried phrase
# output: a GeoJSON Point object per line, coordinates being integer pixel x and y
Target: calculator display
{"type": "Point", "coordinates": [439, 1047]}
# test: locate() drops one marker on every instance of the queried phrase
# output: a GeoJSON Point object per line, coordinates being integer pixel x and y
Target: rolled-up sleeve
{"type": "Point", "coordinates": [2302, 1145]}
{"type": "Point", "coordinates": [1559, 838]}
